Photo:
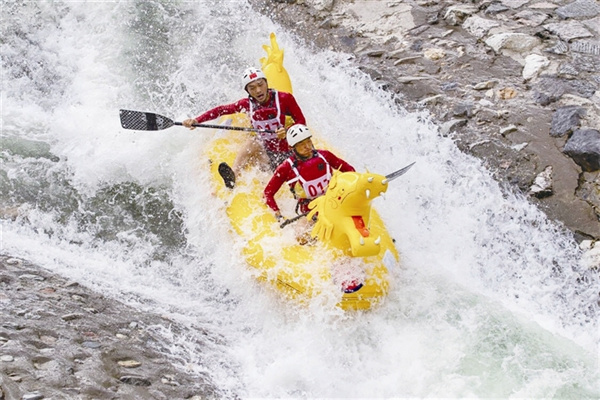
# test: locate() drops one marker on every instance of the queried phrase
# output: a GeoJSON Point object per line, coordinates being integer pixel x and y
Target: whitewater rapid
{"type": "Point", "coordinates": [491, 300]}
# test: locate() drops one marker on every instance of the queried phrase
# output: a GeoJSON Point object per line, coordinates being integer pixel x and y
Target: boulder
{"type": "Point", "coordinates": [589, 190]}
{"type": "Point", "coordinates": [534, 63]}
{"type": "Point", "coordinates": [584, 148]}
{"type": "Point", "coordinates": [579, 9]}
{"type": "Point", "coordinates": [496, 8]}
{"type": "Point", "coordinates": [517, 42]}
{"type": "Point", "coordinates": [542, 185]}
{"type": "Point", "coordinates": [478, 26]}
{"type": "Point", "coordinates": [531, 18]}
{"type": "Point", "coordinates": [566, 120]}
{"type": "Point", "coordinates": [455, 15]}
{"type": "Point", "coordinates": [568, 31]}
{"type": "Point", "coordinates": [586, 47]}
{"type": "Point", "coordinates": [514, 4]}
{"type": "Point", "coordinates": [323, 5]}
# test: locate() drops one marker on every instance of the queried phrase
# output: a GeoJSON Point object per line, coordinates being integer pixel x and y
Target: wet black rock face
{"type": "Point", "coordinates": [584, 147]}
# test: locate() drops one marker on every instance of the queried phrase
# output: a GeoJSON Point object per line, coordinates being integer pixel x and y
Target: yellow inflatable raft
{"type": "Point", "coordinates": [349, 262]}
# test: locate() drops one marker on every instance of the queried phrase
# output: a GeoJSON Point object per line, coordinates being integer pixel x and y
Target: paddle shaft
{"type": "Point", "coordinates": [291, 220]}
{"type": "Point", "coordinates": [147, 121]}
{"type": "Point", "coordinates": [225, 127]}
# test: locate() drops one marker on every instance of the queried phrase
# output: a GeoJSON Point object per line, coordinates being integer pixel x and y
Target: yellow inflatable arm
{"type": "Point", "coordinates": [272, 66]}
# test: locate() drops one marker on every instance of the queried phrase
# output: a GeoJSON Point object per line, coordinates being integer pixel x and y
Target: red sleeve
{"type": "Point", "coordinates": [242, 105]}
{"type": "Point", "coordinates": [290, 107]}
{"type": "Point", "coordinates": [277, 180]}
{"type": "Point", "coordinates": [335, 162]}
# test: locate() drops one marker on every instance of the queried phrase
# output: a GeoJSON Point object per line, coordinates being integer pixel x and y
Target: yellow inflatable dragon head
{"type": "Point", "coordinates": [344, 213]}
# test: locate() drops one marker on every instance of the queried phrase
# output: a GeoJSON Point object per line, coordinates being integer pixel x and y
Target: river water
{"type": "Point", "coordinates": [490, 300]}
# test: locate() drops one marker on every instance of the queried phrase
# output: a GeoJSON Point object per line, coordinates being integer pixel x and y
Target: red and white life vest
{"type": "Point", "coordinates": [266, 120]}
{"type": "Point", "coordinates": [314, 187]}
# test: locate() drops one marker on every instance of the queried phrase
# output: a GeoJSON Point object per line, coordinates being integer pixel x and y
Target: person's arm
{"type": "Point", "coordinates": [336, 162]}
{"type": "Point", "coordinates": [277, 180]}
{"type": "Point", "coordinates": [290, 107]}
{"type": "Point", "coordinates": [226, 109]}
{"type": "Point", "coordinates": [238, 106]}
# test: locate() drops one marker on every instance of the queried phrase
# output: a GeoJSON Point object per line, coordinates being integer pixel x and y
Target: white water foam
{"type": "Point", "coordinates": [487, 302]}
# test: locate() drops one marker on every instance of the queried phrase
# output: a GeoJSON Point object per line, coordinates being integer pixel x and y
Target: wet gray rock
{"type": "Point", "coordinates": [542, 185]}
{"type": "Point", "coordinates": [512, 41]}
{"type": "Point", "coordinates": [534, 64]}
{"type": "Point", "coordinates": [569, 31]}
{"type": "Point", "coordinates": [584, 147]}
{"type": "Point", "coordinates": [588, 190]}
{"type": "Point", "coordinates": [455, 15]}
{"type": "Point", "coordinates": [463, 109]}
{"type": "Point", "coordinates": [452, 126]}
{"type": "Point", "coordinates": [586, 47]}
{"type": "Point", "coordinates": [495, 8]}
{"type": "Point", "coordinates": [514, 4]}
{"type": "Point", "coordinates": [33, 396]}
{"type": "Point", "coordinates": [582, 88]}
{"type": "Point", "coordinates": [579, 9]}
{"type": "Point", "coordinates": [566, 120]}
{"type": "Point", "coordinates": [559, 47]}
{"type": "Point", "coordinates": [531, 18]}
{"type": "Point", "coordinates": [550, 89]}
{"type": "Point", "coordinates": [44, 355]}
{"type": "Point", "coordinates": [567, 71]}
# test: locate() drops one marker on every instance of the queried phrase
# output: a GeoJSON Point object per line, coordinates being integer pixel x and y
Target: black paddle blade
{"type": "Point", "coordinates": [398, 173]}
{"type": "Point", "coordinates": [144, 121]}
{"type": "Point", "coordinates": [227, 174]}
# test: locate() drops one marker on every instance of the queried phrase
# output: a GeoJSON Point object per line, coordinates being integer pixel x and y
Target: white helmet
{"type": "Point", "coordinates": [297, 133]}
{"type": "Point", "coordinates": [250, 75]}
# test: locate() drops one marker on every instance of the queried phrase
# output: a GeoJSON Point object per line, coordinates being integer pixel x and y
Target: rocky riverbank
{"type": "Point", "coordinates": [60, 340]}
{"type": "Point", "coordinates": [513, 82]}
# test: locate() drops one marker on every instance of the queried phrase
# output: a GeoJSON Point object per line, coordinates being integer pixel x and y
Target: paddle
{"type": "Point", "coordinates": [145, 121]}
{"type": "Point", "coordinates": [398, 173]}
{"type": "Point", "coordinates": [388, 177]}
{"type": "Point", "coordinates": [289, 221]}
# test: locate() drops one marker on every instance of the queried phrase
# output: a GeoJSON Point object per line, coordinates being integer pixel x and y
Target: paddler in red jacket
{"type": "Point", "coordinates": [307, 171]}
{"type": "Point", "coordinates": [267, 109]}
